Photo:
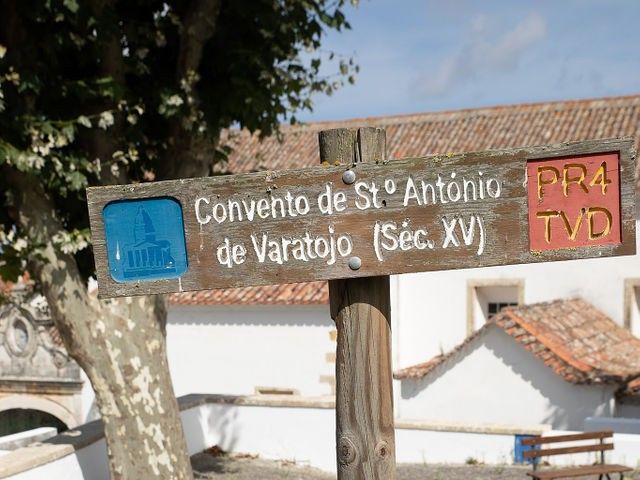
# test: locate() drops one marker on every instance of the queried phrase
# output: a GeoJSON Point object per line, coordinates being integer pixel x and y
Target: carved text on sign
{"type": "Point", "coordinates": [574, 201]}
{"type": "Point", "coordinates": [447, 231]}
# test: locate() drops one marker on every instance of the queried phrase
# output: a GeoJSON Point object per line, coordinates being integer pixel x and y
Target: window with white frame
{"type": "Point", "coordinates": [486, 297]}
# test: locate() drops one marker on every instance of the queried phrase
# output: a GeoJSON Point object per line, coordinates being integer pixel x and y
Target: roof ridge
{"type": "Point", "coordinates": [557, 349]}
{"type": "Point", "coordinates": [419, 116]}
{"type": "Point", "coordinates": [461, 130]}
{"type": "Point", "coordinates": [441, 358]}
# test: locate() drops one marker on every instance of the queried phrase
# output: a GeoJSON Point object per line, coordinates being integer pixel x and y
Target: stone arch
{"type": "Point", "coordinates": [31, 402]}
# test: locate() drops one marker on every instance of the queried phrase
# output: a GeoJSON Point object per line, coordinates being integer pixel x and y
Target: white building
{"type": "Point", "coordinates": [553, 363]}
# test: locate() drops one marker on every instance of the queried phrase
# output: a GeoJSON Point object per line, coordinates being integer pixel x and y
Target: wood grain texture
{"type": "Point", "coordinates": [567, 438]}
{"type": "Point", "coordinates": [365, 435]}
{"type": "Point", "coordinates": [600, 447]}
{"type": "Point", "coordinates": [505, 219]}
{"type": "Point", "coordinates": [573, 472]}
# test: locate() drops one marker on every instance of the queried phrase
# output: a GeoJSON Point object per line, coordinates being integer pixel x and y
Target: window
{"type": "Point", "coordinates": [495, 307]}
{"type": "Point", "coordinates": [486, 297]}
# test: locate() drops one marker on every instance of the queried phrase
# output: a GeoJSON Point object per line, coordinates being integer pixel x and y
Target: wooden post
{"type": "Point", "coordinates": [365, 436]}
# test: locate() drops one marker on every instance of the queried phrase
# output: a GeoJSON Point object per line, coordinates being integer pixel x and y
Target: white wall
{"type": "Point", "coordinates": [235, 349]}
{"type": "Point", "coordinates": [615, 424]}
{"type": "Point", "coordinates": [427, 446]}
{"type": "Point", "coordinates": [87, 463]}
{"type": "Point", "coordinates": [305, 434]}
{"type": "Point", "coordinates": [495, 380]}
{"type": "Point", "coordinates": [88, 398]}
{"type": "Point", "coordinates": [432, 307]}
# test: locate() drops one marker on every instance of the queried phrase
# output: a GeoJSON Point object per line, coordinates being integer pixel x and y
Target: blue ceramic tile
{"type": "Point", "coordinates": [145, 239]}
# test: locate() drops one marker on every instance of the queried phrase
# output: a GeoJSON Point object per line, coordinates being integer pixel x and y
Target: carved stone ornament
{"type": "Point", "coordinates": [30, 349]}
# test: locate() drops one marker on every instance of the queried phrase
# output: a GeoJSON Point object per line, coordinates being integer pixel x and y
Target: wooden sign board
{"type": "Point", "coordinates": [441, 212]}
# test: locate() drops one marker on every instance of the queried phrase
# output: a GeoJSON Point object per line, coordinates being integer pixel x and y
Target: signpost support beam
{"type": "Point", "coordinates": [365, 436]}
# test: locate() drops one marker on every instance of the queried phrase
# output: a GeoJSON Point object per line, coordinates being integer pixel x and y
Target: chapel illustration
{"type": "Point", "coordinates": [145, 256]}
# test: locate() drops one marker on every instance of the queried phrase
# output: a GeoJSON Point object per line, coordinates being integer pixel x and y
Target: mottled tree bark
{"type": "Point", "coordinates": [121, 346]}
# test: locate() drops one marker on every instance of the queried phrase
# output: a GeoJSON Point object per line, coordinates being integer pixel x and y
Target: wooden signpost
{"type": "Point", "coordinates": [354, 220]}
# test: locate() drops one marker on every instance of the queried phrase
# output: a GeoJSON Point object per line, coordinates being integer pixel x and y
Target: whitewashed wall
{"type": "Point", "coordinates": [494, 380]}
{"type": "Point", "coordinates": [238, 348]}
{"type": "Point", "coordinates": [305, 434]}
{"type": "Point", "coordinates": [431, 308]}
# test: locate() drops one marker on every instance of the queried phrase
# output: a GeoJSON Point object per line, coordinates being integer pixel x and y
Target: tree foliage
{"type": "Point", "coordinates": [117, 91]}
{"type": "Point", "coordinates": [102, 92]}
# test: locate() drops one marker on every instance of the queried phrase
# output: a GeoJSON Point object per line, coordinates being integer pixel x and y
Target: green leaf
{"type": "Point", "coordinates": [77, 180]}
{"type": "Point", "coordinates": [72, 5]}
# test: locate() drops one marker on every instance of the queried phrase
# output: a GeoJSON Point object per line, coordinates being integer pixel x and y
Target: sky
{"type": "Point", "coordinates": [428, 55]}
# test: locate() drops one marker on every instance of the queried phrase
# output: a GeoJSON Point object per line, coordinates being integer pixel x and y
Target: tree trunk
{"type": "Point", "coordinates": [135, 394]}
{"type": "Point", "coordinates": [120, 344]}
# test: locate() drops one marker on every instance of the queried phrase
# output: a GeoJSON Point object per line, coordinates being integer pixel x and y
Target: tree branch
{"type": "Point", "coordinates": [191, 154]}
{"type": "Point", "coordinates": [104, 143]}
{"type": "Point", "coordinates": [198, 26]}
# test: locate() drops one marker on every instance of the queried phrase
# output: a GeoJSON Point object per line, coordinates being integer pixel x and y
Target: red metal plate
{"type": "Point", "coordinates": [574, 201]}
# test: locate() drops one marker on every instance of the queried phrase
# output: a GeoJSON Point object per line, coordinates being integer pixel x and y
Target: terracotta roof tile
{"type": "Point", "coordinates": [573, 338]}
{"type": "Point", "coordinates": [310, 293]}
{"type": "Point", "coordinates": [452, 131]}
{"type": "Point", "coordinates": [421, 369]}
{"type": "Point", "coordinates": [581, 339]}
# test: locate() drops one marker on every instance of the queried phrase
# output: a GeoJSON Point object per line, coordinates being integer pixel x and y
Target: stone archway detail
{"type": "Point", "coordinates": [31, 402]}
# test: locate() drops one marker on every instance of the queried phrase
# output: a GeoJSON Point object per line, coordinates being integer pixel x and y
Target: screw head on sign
{"type": "Point", "coordinates": [355, 263]}
{"type": "Point", "coordinates": [348, 177]}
